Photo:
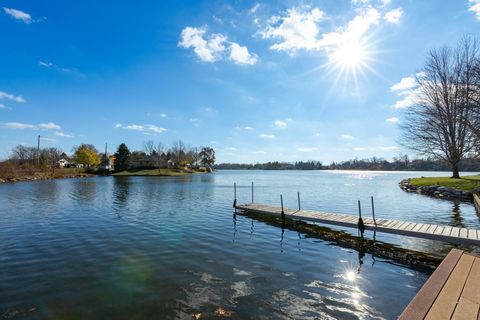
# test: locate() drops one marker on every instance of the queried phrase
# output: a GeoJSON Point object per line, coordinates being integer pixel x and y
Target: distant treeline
{"type": "Point", "coordinates": [275, 165]}
{"type": "Point", "coordinates": [400, 163]}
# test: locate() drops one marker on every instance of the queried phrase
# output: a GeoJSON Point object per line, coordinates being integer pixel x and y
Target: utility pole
{"type": "Point", "coordinates": [106, 157]}
{"type": "Point", "coordinates": [38, 152]}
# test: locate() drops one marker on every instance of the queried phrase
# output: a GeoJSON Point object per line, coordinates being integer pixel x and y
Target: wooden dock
{"type": "Point", "coordinates": [412, 229]}
{"type": "Point", "coordinates": [452, 292]}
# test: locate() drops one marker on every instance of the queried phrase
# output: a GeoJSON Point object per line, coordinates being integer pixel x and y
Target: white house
{"type": "Point", "coordinates": [62, 163]}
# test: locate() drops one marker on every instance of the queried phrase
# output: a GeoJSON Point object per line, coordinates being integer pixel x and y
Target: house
{"type": "Point", "coordinates": [62, 163]}
{"type": "Point", "coordinates": [171, 164]}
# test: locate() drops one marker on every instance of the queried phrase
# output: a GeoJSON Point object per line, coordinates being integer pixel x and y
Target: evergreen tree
{"type": "Point", "coordinates": [122, 158]}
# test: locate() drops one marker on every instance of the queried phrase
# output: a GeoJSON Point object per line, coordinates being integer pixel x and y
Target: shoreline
{"type": "Point", "coordinates": [436, 191]}
{"type": "Point", "coordinates": [42, 178]}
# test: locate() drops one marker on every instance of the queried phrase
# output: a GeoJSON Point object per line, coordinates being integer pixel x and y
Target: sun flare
{"type": "Point", "coordinates": [352, 55]}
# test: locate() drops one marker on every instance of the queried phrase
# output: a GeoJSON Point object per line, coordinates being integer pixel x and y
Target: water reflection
{"type": "Point", "coordinates": [121, 188]}
{"type": "Point", "coordinates": [456, 218]}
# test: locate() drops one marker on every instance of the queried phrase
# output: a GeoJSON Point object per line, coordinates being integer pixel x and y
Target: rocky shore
{"type": "Point", "coordinates": [45, 177]}
{"type": "Point", "coordinates": [438, 191]}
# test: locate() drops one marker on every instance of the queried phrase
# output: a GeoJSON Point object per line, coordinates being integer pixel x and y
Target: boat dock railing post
{"type": "Point", "coordinates": [361, 225]}
{"type": "Point", "coordinates": [281, 203]}
{"type": "Point", "coordinates": [252, 191]}
{"type": "Point", "coordinates": [235, 195]}
{"type": "Point", "coordinates": [298, 194]}
{"type": "Point", "coordinates": [373, 212]}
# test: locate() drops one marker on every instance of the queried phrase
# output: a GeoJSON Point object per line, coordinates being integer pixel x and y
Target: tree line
{"type": "Point", "coordinates": [154, 155]}
{"type": "Point", "coordinates": [401, 162]}
{"type": "Point", "coordinates": [274, 165]}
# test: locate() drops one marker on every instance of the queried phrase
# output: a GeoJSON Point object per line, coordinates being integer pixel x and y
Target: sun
{"type": "Point", "coordinates": [350, 61]}
{"type": "Point", "coordinates": [351, 55]}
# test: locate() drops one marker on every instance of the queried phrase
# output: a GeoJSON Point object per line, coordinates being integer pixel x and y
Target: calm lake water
{"type": "Point", "coordinates": [151, 247]}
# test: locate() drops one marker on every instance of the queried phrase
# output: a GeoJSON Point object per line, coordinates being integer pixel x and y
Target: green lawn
{"type": "Point", "coordinates": [153, 172]}
{"type": "Point", "coordinates": [464, 183]}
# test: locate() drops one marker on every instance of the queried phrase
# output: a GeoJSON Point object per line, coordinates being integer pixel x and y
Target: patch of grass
{"type": "Point", "coordinates": [467, 183]}
{"type": "Point", "coordinates": [154, 172]}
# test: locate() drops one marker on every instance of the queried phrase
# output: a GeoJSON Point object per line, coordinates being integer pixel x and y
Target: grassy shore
{"type": "Point", "coordinates": [467, 183]}
{"type": "Point", "coordinates": [156, 172]}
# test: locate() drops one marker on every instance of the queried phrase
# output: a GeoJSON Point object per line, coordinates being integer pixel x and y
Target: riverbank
{"type": "Point", "coordinates": [42, 175]}
{"type": "Point", "coordinates": [158, 172]}
{"type": "Point", "coordinates": [444, 187]}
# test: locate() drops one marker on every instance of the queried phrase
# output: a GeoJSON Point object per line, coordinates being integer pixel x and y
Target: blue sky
{"type": "Point", "coordinates": [258, 81]}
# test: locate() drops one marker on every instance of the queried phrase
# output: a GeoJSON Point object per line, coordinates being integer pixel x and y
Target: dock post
{"type": "Point", "coordinates": [298, 194]}
{"type": "Point", "coordinates": [361, 225]}
{"type": "Point", "coordinates": [283, 212]}
{"type": "Point", "coordinates": [235, 195]}
{"type": "Point", "coordinates": [252, 191]}
{"type": "Point", "coordinates": [373, 212]}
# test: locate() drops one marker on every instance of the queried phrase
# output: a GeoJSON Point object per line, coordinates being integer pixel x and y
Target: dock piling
{"type": "Point", "coordinates": [298, 195]}
{"type": "Point", "coordinates": [373, 212]}
{"type": "Point", "coordinates": [252, 192]}
{"type": "Point", "coordinates": [235, 195]}
{"type": "Point", "coordinates": [283, 212]}
{"type": "Point", "coordinates": [361, 225]}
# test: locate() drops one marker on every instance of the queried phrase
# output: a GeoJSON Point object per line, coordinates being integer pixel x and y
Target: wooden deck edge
{"type": "Point", "coordinates": [476, 202]}
{"type": "Point", "coordinates": [415, 234]}
{"type": "Point", "coordinates": [426, 296]}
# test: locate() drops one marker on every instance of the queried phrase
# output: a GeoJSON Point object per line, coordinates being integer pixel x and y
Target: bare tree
{"type": "Point", "coordinates": [149, 147]}
{"type": "Point", "coordinates": [437, 124]}
{"type": "Point", "coordinates": [159, 150]}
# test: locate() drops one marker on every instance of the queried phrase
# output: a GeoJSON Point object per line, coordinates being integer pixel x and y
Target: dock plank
{"type": "Point", "coordinates": [466, 310]}
{"type": "Point", "coordinates": [446, 301]}
{"type": "Point", "coordinates": [449, 234]}
{"type": "Point", "coordinates": [418, 308]}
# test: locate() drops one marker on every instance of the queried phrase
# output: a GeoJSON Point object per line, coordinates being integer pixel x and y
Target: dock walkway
{"type": "Point", "coordinates": [448, 234]}
{"type": "Point", "coordinates": [452, 291]}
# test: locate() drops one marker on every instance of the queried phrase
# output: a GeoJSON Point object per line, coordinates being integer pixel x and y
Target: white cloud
{"type": "Point", "coordinates": [21, 126]}
{"type": "Point", "coordinates": [163, 115]}
{"type": "Point", "coordinates": [63, 135]}
{"type": "Point", "coordinates": [240, 55]}
{"type": "Point", "coordinates": [48, 139]}
{"type": "Point", "coordinates": [18, 15]}
{"type": "Point", "coordinates": [408, 90]}
{"type": "Point", "coordinates": [49, 126]}
{"type": "Point", "coordinates": [259, 152]}
{"type": "Point", "coordinates": [144, 128]}
{"type": "Point", "coordinates": [307, 149]}
{"type": "Point", "coordinates": [279, 124]}
{"type": "Point", "coordinates": [254, 8]}
{"type": "Point", "coordinates": [394, 16]}
{"type": "Point", "coordinates": [379, 148]}
{"type": "Point", "coordinates": [232, 149]}
{"type": "Point", "coordinates": [392, 120]}
{"type": "Point", "coordinates": [296, 29]}
{"type": "Point", "coordinates": [208, 50]}
{"type": "Point", "coordinates": [2, 106]}
{"type": "Point", "coordinates": [347, 137]}
{"type": "Point", "coordinates": [474, 6]}
{"type": "Point", "coordinates": [248, 128]}
{"type": "Point", "coordinates": [404, 84]}
{"type": "Point", "coordinates": [267, 136]}
{"type": "Point", "coordinates": [52, 65]}
{"type": "Point", "coordinates": [9, 96]}
{"type": "Point", "coordinates": [214, 47]}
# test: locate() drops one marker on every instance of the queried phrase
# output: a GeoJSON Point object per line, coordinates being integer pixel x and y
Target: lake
{"type": "Point", "coordinates": [170, 248]}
